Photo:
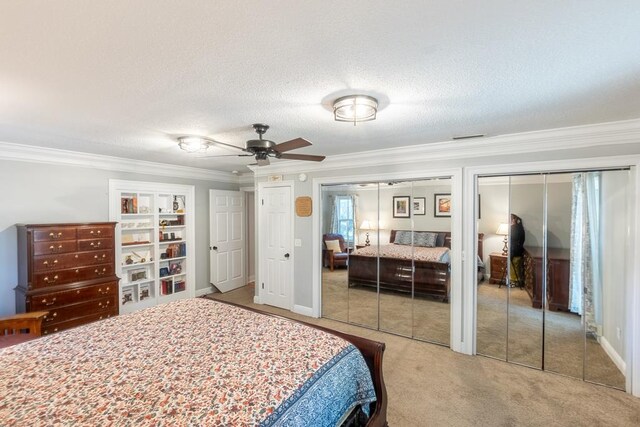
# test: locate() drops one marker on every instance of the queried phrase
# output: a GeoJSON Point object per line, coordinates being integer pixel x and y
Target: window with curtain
{"type": "Point", "coordinates": [344, 217]}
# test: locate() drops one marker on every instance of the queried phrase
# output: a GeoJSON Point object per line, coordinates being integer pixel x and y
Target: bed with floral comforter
{"type": "Point", "coordinates": [190, 362]}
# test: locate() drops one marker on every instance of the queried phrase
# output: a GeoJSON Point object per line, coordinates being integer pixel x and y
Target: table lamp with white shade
{"type": "Point", "coordinates": [366, 225]}
{"type": "Point", "coordinates": [503, 230]}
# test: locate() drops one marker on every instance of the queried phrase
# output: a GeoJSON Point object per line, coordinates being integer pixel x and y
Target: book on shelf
{"type": "Point", "coordinates": [129, 205]}
{"type": "Point", "coordinates": [166, 287]}
{"type": "Point", "coordinates": [180, 286]}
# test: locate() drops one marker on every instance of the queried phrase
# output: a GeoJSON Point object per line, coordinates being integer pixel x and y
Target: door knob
{"type": "Point", "coordinates": [286, 256]}
{"type": "Point", "coordinates": [215, 248]}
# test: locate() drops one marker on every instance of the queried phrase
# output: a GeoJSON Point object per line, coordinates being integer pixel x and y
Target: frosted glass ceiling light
{"type": "Point", "coordinates": [355, 108]}
{"type": "Point", "coordinates": [193, 144]}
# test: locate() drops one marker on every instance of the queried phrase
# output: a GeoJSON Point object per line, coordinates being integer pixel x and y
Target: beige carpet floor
{"type": "Point", "coordinates": [430, 385]}
{"type": "Point", "coordinates": [565, 349]}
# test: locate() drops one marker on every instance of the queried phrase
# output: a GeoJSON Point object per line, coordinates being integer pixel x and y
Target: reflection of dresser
{"type": "Point", "coordinates": [557, 277]}
{"type": "Point", "coordinates": [69, 271]}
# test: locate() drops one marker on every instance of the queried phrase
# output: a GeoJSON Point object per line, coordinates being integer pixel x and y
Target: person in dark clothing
{"type": "Point", "coordinates": [516, 251]}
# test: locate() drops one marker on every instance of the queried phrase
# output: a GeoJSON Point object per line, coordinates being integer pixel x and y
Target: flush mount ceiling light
{"type": "Point", "coordinates": [193, 144]}
{"type": "Point", "coordinates": [355, 108]}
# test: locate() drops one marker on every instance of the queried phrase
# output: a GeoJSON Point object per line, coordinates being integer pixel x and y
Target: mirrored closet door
{"type": "Point", "coordinates": [392, 273]}
{"type": "Point", "coordinates": [556, 249]}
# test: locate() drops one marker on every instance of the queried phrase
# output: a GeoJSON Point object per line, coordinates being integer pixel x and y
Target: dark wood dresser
{"type": "Point", "coordinates": [498, 268]}
{"type": "Point", "coordinates": [69, 271]}
{"type": "Point", "coordinates": [558, 271]}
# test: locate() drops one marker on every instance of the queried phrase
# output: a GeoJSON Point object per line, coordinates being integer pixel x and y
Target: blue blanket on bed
{"type": "Point", "coordinates": [328, 397]}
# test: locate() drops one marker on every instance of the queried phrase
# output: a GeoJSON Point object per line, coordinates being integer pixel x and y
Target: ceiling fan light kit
{"type": "Point", "coordinates": [193, 144]}
{"type": "Point", "coordinates": [355, 108]}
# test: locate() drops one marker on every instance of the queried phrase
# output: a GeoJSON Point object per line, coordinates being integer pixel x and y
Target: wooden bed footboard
{"type": "Point", "coordinates": [372, 352]}
{"type": "Point", "coordinates": [430, 277]}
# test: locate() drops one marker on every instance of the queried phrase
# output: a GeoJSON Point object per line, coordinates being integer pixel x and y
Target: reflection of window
{"type": "Point", "coordinates": [344, 213]}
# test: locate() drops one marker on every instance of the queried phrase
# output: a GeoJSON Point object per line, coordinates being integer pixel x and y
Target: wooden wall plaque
{"type": "Point", "coordinates": [303, 206]}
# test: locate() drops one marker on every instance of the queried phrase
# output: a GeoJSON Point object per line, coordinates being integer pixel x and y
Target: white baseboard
{"type": "Point", "coordinates": [301, 309]}
{"type": "Point", "coordinates": [256, 299]}
{"type": "Point", "coordinates": [622, 366]}
{"type": "Point", "coordinates": [203, 291]}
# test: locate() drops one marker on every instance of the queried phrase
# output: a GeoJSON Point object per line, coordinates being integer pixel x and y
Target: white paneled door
{"type": "Point", "coordinates": [227, 239]}
{"type": "Point", "coordinates": [276, 255]}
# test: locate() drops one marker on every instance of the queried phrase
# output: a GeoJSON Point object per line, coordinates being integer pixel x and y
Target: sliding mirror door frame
{"type": "Point", "coordinates": [632, 285]}
{"type": "Point", "coordinates": [456, 293]}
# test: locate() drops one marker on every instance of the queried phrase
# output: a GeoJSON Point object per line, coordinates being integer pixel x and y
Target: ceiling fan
{"type": "Point", "coordinates": [262, 149]}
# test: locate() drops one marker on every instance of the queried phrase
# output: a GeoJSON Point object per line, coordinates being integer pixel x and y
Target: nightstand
{"type": "Point", "coordinates": [498, 263]}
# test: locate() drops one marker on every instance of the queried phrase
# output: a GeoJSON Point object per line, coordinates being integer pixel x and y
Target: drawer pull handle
{"type": "Point", "coordinates": [53, 248]}
{"type": "Point", "coordinates": [77, 271]}
{"type": "Point", "coordinates": [55, 235]}
{"type": "Point", "coordinates": [46, 263]}
{"type": "Point", "coordinates": [46, 279]}
{"type": "Point", "coordinates": [52, 317]}
{"type": "Point", "coordinates": [97, 232]}
{"type": "Point", "coordinates": [101, 273]}
{"type": "Point", "coordinates": [53, 301]}
{"type": "Point", "coordinates": [106, 304]}
{"type": "Point", "coordinates": [106, 291]}
{"type": "Point", "coordinates": [95, 243]}
{"type": "Point", "coordinates": [55, 329]}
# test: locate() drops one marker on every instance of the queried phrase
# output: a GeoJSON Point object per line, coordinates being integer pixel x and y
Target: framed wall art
{"type": "Point", "coordinates": [401, 207]}
{"type": "Point", "coordinates": [442, 205]}
{"type": "Point", "coordinates": [419, 206]}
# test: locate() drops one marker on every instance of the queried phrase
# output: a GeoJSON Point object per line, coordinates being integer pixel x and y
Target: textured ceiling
{"type": "Point", "coordinates": [124, 77]}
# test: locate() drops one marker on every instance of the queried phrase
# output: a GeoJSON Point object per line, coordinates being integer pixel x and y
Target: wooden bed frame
{"type": "Point", "coordinates": [431, 278]}
{"type": "Point", "coordinates": [372, 352]}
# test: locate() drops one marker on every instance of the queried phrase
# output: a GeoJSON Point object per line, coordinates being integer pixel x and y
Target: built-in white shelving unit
{"type": "Point", "coordinates": [154, 242]}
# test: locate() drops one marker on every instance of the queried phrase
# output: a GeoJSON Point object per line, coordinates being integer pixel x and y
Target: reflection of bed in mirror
{"type": "Point", "coordinates": [397, 262]}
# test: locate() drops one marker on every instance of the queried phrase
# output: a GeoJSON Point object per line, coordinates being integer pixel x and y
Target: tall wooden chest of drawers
{"type": "Point", "coordinates": [69, 271]}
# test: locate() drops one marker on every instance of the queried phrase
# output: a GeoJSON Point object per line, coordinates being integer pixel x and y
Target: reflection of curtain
{"type": "Point", "coordinates": [331, 219]}
{"type": "Point", "coordinates": [586, 275]}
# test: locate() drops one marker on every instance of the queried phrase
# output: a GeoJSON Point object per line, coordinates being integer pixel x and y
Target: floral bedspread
{"type": "Point", "coordinates": [419, 253]}
{"type": "Point", "coordinates": [190, 362]}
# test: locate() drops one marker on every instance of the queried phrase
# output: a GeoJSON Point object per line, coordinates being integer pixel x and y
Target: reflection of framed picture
{"type": "Point", "coordinates": [442, 205]}
{"type": "Point", "coordinates": [419, 205]}
{"type": "Point", "coordinates": [401, 207]}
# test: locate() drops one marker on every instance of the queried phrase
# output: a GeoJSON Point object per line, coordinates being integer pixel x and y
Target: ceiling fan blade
{"type": "Point", "coordinates": [291, 145]}
{"type": "Point", "coordinates": [302, 157]}
{"type": "Point", "coordinates": [262, 162]}
{"type": "Point", "coordinates": [225, 155]}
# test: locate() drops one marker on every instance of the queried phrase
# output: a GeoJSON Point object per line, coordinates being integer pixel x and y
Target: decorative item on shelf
{"type": "Point", "coordinates": [137, 275]}
{"type": "Point", "coordinates": [178, 204]}
{"type": "Point", "coordinates": [366, 225]}
{"type": "Point", "coordinates": [175, 268]}
{"type": "Point", "coordinates": [128, 260]}
{"type": "Point", "coordinates": [143, 209]}
{"type": "Point", "coordinates": [145, 291]}
{"type": "Point", "coordinates": [127, 296]}
{"type": "Point", "coordinates": [164, 271]}
{"type": "Point", "coordinates": [503, 230]}
{"type": "Point", "coordinates": [355, 108]}
{"type": "Point", "coordinates": [179, 286]}
{"type": "Point", "coordinates": [175, 203]}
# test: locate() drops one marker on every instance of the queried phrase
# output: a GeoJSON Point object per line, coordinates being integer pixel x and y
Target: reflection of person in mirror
{"type": "Point", "coordinates": [516, 251]}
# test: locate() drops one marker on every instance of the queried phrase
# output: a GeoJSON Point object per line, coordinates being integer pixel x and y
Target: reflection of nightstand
{"type": "Point", "coordinates": [498, 268]}
{"type": "Point", "coordinates": [360, 246]}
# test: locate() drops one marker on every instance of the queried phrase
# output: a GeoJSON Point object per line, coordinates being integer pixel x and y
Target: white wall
{"type": "Point", "coordinates": [251, 235]}
{"type": "Point", "coordinates": [42, 193]}
{"type": "Point", "coordinates": [527, 202]}
{"type": "Point", "coordinates": [615, 195]}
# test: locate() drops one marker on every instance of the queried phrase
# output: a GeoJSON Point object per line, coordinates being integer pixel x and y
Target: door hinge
{"type": "Point", "coordinates": [262, 202]}
{"type": "Point", "coordinates": [263, 285]}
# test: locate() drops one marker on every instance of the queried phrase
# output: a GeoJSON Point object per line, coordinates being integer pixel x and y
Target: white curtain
{"type": "Point", "coordinates": [331, 216]}
{"type": "Point", "coordinates": [585, 290]}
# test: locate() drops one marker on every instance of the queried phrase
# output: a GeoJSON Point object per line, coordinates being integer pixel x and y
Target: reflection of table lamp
{"type": "Point", "coordinates": [503, 230]}
{"type": "Point", "coordinates": [366, 225]}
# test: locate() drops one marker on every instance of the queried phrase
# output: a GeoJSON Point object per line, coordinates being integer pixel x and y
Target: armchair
{"type": "Point", "coordinates": [20, 327]}
{"type": "Point", "coordinates": [333, 254]}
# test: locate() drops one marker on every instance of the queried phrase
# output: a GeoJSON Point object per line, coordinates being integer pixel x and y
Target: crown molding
{"type": "Point", "coordinates": [53, 156]}
{"type": "Point", "coordinates": [569, 138]}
